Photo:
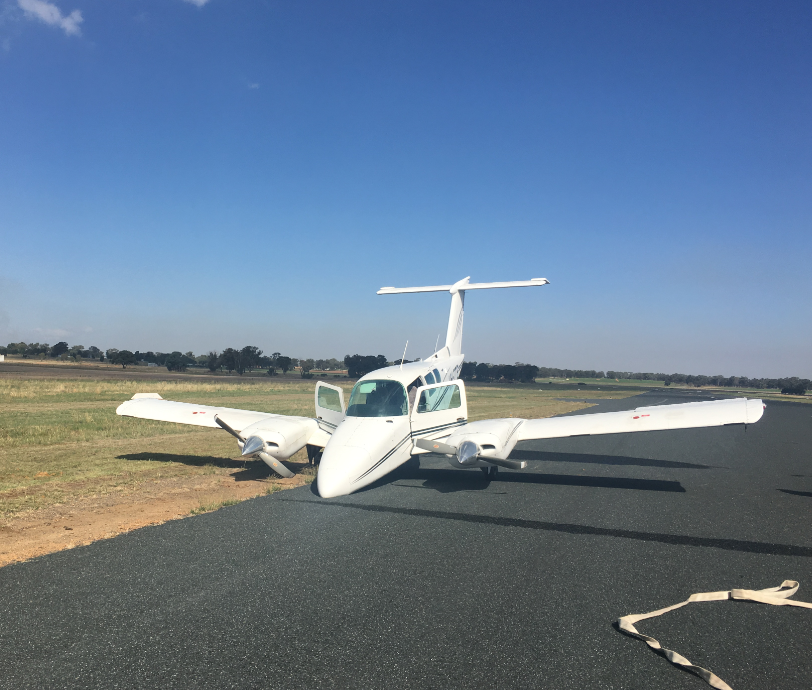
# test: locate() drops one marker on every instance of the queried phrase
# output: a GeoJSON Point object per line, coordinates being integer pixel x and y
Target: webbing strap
{"type": "Point", "coordinates": [778, 596]}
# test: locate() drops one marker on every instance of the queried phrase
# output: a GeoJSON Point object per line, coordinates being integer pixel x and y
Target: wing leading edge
{"type": "Point", "coordinates": [658, 418]}
{"type": "Point", "coordinates": [189, 413]}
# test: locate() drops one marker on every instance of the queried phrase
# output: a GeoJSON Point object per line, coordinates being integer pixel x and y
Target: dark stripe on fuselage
{"type": "Point", "coordinates": [439, 427]}
{"type": "Point", "coordinates": [420, 433]}
{"type": "Point", "coordinates": [384, 458]}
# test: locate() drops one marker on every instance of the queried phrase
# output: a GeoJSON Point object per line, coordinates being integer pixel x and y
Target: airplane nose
{"type": "Point", "coordinates": [338, 468]}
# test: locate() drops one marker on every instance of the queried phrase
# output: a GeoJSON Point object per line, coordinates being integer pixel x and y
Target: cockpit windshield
{"type": "Point", "coordinates": [378, 399]}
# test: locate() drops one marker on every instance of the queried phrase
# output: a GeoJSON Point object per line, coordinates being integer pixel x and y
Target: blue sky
{"type": "Point", "coordinates": [199, 175]}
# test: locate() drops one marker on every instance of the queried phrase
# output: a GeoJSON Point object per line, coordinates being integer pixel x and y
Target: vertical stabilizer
{"type": "Point", "coordinates": [453, 338]}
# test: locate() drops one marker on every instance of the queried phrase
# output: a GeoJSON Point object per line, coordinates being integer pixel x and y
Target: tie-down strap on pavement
{"type": "Point", "coordinates": [777, 596]}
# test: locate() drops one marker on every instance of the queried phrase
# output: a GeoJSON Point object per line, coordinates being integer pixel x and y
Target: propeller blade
{"type": "Point", "coordinates": [219, 422]}
{"type": "Point", "coordinates": [252, 445]}
{"type": "Point", "coordinates": [435, 446]}
{"type": "Point", "coordinates": [276, 465]}
{"type": "Point", "coordinates": [509, 464]}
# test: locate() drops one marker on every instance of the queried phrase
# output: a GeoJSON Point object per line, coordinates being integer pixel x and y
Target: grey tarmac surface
{"type": "Point", "coordinates": [437, 578]}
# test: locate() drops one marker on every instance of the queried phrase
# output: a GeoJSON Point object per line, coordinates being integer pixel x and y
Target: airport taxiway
{"type": "Point", "coordinates": [439, 578]}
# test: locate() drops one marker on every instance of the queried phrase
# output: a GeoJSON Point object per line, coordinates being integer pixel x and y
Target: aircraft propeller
{"type": "Point", "coordinates": [467, 453]}
{"type": "Point", "coordinates": [253, 445]}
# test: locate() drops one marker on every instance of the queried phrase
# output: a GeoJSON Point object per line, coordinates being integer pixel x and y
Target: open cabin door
{"type": "Point", "coordinates": [329, 406]}
{"type": "Point", "coordinates": [439, 409]}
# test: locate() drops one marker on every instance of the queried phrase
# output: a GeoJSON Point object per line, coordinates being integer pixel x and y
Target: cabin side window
{"type": "Point", "coordinates": [329, 399]}
{"type": "Point", "coordinates": [438, 399]}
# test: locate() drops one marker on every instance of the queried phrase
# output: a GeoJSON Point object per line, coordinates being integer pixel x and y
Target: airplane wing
{"type": "Point", "coordinates": [658, 418]}
{"type": "Point", "coordinates": [272, 437]}
{"type": "Point", "coordinates": [152, 406]}
{"type": "Point", "coordinates": [492, 440]}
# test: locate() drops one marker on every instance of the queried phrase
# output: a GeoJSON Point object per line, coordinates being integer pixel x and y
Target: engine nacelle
{"type": "Point", "coordinates": [281, 436]}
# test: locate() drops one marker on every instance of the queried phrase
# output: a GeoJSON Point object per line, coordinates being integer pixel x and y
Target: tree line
{"type": "Point", "coordinates": [480, 371]}
{"type": "Point", "coordinates": [230, 359]}
{"type": "Point", "coordinates": [790, 385]}
{"type": "Point", "coordinates": [60, 350]}
{"type": "Point", "coordinates": [251, 357]}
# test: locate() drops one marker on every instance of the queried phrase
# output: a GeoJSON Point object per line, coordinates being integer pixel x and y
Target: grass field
{"type": "Point", "coordinates": [61, 440]}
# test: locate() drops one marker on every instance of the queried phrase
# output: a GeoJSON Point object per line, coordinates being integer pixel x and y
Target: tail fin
{"type": "Point", "coordinates": [453, 338]}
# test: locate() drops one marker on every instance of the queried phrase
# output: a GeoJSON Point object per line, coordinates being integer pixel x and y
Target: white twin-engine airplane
{"type": "Point", "coordinates": [419, 407]}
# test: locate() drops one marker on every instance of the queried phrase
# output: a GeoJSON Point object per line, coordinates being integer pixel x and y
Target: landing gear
{"type": "Point", "coordinates": [314, 454]}
{"type": "Point", "coordinates": [490, 471]}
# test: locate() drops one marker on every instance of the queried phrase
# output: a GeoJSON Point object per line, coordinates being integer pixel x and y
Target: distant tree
{"type": "Point", "coordinates": [228, 360]}
{"type": "Point", "coordinates": [176, 361]}
{"type": "Point", "coordinates": [123, 357]}
{"type": "Point", "coordinates": [359, 365]}
{"type": "Point", "coordinates": [59, 349]}
{"type": "Point", "coordinates": [794, 386]}
{"type": "Point", "coordinates": [34, 350]}
{"type": "Point", "coordinates": [306, 366]}
{"type": "Point", "coordinates": [213, 362]}
{"type": "Point", "coordinates": [526, 373]}
{"type": "Point", "coordinates": [483, 372]}
{"type": "Point", "coordinates": [76, 352]}
{"type": "Point", "coordinates": [468, 371]}
{"type": "Point", "coordinates": [284, 363]}
{"type": "Point", "coordinates": [250, 357]}
{"type": "Point", "coordinates": [17, 348]}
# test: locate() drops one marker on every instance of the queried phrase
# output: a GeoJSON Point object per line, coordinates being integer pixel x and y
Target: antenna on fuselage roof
{"type": "Point", "coordinates": [404, 355]}
{"type": "Point", "coordinates": [453, 338]}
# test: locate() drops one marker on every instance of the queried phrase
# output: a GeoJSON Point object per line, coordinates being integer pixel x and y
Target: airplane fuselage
{"type": "Point", "coordinates": [377, 433]}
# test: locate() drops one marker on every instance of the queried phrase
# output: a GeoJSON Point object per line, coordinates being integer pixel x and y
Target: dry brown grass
{"type": "Point", "coordinates": [61, 440]}
{"type": "Point", "coordinates": [68, 462]}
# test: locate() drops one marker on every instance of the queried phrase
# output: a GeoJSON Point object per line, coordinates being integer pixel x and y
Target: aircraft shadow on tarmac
{"type": "Point", "coordinates": [584, 459]}
{"type": "Point", "coordinates": [742, 545]}
{"type": "Point", "coordinates": [796, 493]}
{"type": "Point", "coordinates": [452, 480]}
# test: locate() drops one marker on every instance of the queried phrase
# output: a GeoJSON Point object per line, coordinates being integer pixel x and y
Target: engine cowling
{"type": "Point", "coordinates": [280, 437]}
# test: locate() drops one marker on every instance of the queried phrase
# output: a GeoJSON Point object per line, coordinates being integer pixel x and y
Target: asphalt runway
{"type": "Point", "coordinates": [438, 578]}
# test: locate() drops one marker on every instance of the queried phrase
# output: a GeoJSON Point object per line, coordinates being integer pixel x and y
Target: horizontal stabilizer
{"type": "Point", "coordinates": [467, 286]}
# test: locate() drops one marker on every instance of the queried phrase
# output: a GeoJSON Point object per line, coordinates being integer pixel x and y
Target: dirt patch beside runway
{"type": "Point", "coordinates": [152, 502]}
